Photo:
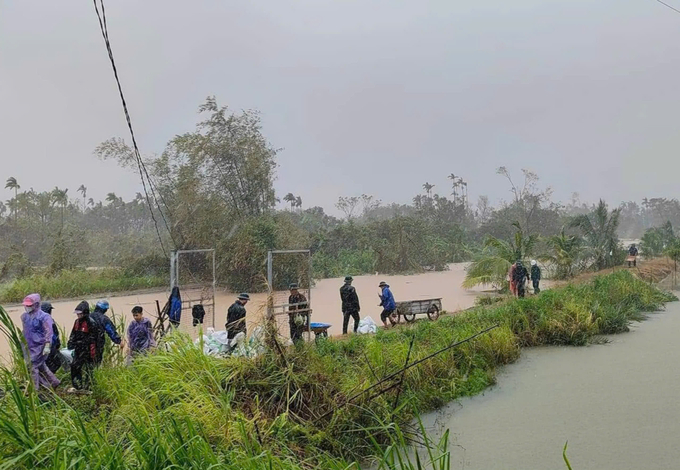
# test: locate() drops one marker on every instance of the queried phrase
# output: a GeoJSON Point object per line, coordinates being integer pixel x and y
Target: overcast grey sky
{"type": "Point", "coordinates": [365, 96]}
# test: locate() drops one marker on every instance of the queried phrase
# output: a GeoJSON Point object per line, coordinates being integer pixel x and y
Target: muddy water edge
{"type": "Point", "coordinates": [325, 301]}
{"type": "Point", "coordinates": [616, 404]}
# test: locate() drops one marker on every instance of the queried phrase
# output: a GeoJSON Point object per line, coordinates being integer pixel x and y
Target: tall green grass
{"type": "Point", "coordinates": [179, 408]}
{"type": "Point", "coordinates": [75, 283]}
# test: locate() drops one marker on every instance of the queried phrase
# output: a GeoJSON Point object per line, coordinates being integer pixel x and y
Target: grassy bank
{"type": "Point", "coordinates": [77, 282]}
{"type": "Point", "coordinates": [179, 407]}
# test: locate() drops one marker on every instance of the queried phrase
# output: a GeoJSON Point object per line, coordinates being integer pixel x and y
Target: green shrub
{"type": "Point", "coordinates": [76, 283]}
{"type": "Point", "coordinates": [179, 407]}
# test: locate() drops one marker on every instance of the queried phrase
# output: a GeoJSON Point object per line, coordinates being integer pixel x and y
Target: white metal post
{"type": "Point", "coordinates": [173, 269]}
{"type": "Point", "coordinates": [213, 286]}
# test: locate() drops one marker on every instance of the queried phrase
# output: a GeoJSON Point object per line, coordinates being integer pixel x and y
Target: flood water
{"type": "Point", "coordinates": [617, 404]}
{"type": "Point", "coordinates": [325, 301]}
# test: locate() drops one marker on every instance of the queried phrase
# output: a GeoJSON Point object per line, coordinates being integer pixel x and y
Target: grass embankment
{"type": "Point", "coordinates": [183, 408]}
{"type": "Point", "coordinates": [75, 283]}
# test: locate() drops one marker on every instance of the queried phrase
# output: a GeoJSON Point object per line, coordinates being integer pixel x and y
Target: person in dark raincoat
{"type": "Point", "coordinates": [37, 330]}
{"type": "Point", "coordinates": [140, 334]}
{"type": "Point", "coordinates": [632, 255]}
{"type": "Point", "coordinates": [520, 277]}
{"type": "Point", "coordinates": [83, 342]}
{"type": "Point", "coordinates": [236, 317]}
{"type": "Point", "coordinates": [535, 276]}
{"type": "Point", "coordinates": [297, 321]}
{"type": "Point", "coordinates": [106, 327]}
{"type": "Point", "coordinates": [387, 303]}
{"type": "Point", "coordinates": [53, 360]}
{"type": "Point", "coordinates": [350, 305]}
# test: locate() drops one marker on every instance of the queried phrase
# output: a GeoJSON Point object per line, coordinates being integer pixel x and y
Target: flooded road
{"type": "Point", "coordinates": [325, 301]}
{"type": "Point", "coordinates": [617, 404]}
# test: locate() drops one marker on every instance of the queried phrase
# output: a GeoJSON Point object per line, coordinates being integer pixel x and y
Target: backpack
{"type": "Point", "coordinates": [197, 312]}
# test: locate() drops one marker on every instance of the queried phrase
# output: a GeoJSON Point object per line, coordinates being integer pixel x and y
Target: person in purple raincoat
{"type": "Point", "coordinates": [37, 329]}
{"type": "Point", "coordinates": [140, 334]}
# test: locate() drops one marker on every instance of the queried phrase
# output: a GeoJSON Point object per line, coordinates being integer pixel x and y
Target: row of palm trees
{"type": "Point", "coordinates": [588, 241]}
{"type": "Point", "coordinates": [44, 202]}
{"type": "Point", "coordinates": [293, 200]}
{"type": "Point", "coordinates": [459, 189]}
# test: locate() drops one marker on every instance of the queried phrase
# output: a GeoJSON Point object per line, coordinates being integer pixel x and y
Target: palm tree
{"type": "Point", "coordinates": [83, 190]}
{"type": "Point", "coordinates": [13, 184]}
{"type": "Point", "coordinates": [428, 189]}
{"type": "Point", "coordinates": [290, 198]}
{"type": "Point", "coordinates": [599, 234]}
{"type": "Point", "coordinates": [60, 197]}
{"type": "Point", "coordinates": [44, 203]}
{"type": "Point", "coordinates": [565, 252]}
{"type": "Point", "coordinates": [492, 266]}
{"type": "Point", "coordinates": [111, 198]}
{"type": "Point", "coordinates": [298, 202]}
{"type": "Point", "coordinates": [90, 202]}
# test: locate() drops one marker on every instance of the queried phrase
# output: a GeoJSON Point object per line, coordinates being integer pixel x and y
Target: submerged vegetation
{"type": "Point", "coordinates": [292, 410]}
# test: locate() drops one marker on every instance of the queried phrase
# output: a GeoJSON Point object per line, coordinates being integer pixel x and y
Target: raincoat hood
{"type": "Point", "coordinates": [31, 299]}
{"type": "Point", "coordinates": [83, 307]}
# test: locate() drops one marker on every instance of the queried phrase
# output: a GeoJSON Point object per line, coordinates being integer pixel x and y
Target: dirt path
{"type": "Point", "coordinates": [325, 300]}
{"type": "Point", "coordinates": [617, 405]}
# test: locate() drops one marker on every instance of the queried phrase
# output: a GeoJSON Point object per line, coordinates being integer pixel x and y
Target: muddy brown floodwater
{"type": "Point", "coordinates": [325, 300]}
{"type": "Point", "coordinates": [616, 404]}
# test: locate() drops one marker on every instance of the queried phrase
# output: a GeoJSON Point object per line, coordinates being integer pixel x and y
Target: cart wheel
{"type": "Point", "coordinates": [410, 317]}
{"type": "Point", "coordinates": [433, 312]}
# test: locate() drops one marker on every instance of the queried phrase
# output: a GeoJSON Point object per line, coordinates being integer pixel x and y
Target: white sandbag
{"type": "Point", "coordinates": [221, 337]}
{"type": "Point", "coordinates": [66, 357]}
{"type": "Point", "coordinates": [367, 326]}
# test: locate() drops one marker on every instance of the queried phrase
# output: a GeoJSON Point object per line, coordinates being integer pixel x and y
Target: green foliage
{"type": "Point", "coordinates": [76, 283]}
{"type": "Point", "coordinates": [565, 253]}
{"type": "Point", "coordinates": [178, 407]}
{"type": "Point", "coordinates": [17, 265]}
{"type": "Point", "coordinates": [599, 230]}
{"type": "Point", "coordinates": [491, 266]}
{"type": "Point", "coordinates": [68, 250]}
{"type": "Point", "coordinates": [656, 240]}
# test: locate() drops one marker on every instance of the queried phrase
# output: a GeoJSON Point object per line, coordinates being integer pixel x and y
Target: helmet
{"type": "Point", "coordinates": [103, 304]}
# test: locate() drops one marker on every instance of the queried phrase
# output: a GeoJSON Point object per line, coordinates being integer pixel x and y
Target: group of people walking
{"type": "Point", "coordinates": [86, 341]}
{"type": "Point", "coordinates": [519, 276]}
{"type": "Point", "coordinates": [298, 310]}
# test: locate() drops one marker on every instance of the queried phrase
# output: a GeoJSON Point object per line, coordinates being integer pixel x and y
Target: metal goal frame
{"type": "Point", "coordinates": [174, 279]}
{"type": "Point", "coordinates": [283, 308]}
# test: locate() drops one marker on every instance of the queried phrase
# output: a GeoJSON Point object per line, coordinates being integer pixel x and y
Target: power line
{"type": "Point", "coordinates": [143, 173]}
{"type": "Point", "coordinates": [667, 5]}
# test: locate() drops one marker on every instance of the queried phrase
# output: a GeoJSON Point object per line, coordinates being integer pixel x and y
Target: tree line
{"type": "Point", "coordinates": [213, 187]}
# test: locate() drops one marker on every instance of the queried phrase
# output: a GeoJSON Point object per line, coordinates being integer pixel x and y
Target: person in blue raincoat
{"type": "Point", "coordinates": [174, 307]}
{"type": "Point", "coordinates": [37, 329]}
{"type": "Point", "coordinates": [106, 327]}
{"type": "Point", "coordinates": [387, 303]}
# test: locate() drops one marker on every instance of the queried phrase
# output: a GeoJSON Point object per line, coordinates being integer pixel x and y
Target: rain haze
{"type": "Point", "coordinates": [372, 97]}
